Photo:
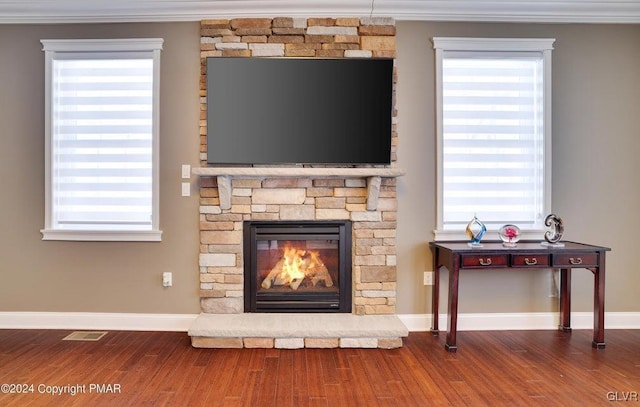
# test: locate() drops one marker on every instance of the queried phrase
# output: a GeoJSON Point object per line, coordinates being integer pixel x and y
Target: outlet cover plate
{"type": "Point", "coordinates": [428, 278]}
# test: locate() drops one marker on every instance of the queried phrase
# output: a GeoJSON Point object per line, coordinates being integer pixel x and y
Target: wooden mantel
{"type": "Point", "coordinates": [372, 174]}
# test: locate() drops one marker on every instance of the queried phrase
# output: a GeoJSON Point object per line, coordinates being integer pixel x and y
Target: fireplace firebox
{"type": "Point", "coordinates": [301, 266]}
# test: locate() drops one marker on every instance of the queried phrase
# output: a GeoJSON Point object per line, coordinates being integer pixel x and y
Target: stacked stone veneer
{"type": "Point", "coordinates": [374, 232]}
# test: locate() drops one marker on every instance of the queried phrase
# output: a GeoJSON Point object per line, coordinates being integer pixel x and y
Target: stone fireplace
{"type": "Point", "coordinates": [287, 199]}
{"type": "Point", "coordinates": [363, 198]}
{"type": "Point", "coordinates": [297, 266]}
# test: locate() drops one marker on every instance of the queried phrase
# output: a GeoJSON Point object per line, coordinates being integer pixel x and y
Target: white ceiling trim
{"type": "Point", "coordinates": [96, 11]}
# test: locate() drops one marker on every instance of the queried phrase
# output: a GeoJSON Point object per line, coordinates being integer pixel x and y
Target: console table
{"type": "Point", "coordinates": [456, 256]}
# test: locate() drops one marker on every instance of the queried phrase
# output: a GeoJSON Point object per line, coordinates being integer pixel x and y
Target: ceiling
{"type": "Point", "coordinates": [548, 11]}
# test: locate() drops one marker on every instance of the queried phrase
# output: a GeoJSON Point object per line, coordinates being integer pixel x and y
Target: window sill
{"type": "Point", "coordinates": [102, 236]}
{"type": "Point", "coordinates": [451, 235]}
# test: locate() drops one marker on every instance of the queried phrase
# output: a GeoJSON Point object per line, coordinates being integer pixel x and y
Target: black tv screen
{"type": "Point", "coordinates": [299, 111]}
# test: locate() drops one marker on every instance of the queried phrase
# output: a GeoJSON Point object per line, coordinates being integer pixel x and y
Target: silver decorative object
{"type": "Point", "coordinates": [555, 234]}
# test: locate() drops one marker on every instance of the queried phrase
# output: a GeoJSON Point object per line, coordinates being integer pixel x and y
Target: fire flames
{"type": "Point", "coordinates": [296, 265]}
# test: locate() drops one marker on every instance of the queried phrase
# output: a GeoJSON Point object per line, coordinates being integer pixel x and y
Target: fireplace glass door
{"type": "Point", "coordinates": [297, 267]}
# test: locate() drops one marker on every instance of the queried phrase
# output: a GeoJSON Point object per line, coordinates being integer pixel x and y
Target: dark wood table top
{"type": "Point", "coordinates": [522, 246]}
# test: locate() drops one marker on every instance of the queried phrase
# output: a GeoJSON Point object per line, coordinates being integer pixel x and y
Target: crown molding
{"type": "Point", "coordinates": [102, 11]}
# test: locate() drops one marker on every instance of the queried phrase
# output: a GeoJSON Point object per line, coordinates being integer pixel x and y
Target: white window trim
{"type": "Point", "coordinates": [51, 47]}
{"type": "Point", "coordinates": [444, 44]}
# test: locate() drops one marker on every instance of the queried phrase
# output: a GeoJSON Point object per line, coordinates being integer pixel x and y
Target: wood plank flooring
{"type": "Point", "coordinates": [496, 368]}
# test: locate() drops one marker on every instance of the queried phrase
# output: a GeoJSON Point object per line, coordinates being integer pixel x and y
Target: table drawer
{"type": "Point", "coordinates": [575, 260]}
{"type": "Point", "coordinates": [530, 260]}
{"type": "Point", "coordinates": [489, 260]}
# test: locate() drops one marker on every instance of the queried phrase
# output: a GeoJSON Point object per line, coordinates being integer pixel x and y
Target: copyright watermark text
{"type": "Point", "coordinates": [59, 390]}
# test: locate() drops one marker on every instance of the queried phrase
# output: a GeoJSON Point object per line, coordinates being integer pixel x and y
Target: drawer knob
{"type": "Point", "coordinates": [530, 262]}
{"type": "Point", "coordinates": [575, 260]}
{"type": "Point", "coordinates": [485, 262]}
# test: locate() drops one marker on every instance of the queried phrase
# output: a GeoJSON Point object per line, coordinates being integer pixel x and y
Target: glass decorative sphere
{"type": "Point", "coordinates": [509, 234]}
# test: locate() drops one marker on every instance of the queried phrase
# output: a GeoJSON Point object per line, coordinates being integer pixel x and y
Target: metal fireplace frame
{"type": "Point", "coordinates": [297, 230]}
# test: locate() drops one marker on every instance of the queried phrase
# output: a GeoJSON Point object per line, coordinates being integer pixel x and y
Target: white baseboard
{"type": "Point", "coordinates": [96, 320]}
{"type": "Point", "coordinates": [521, 321]}
{"type": "Point", "coordinates": [414, 322]}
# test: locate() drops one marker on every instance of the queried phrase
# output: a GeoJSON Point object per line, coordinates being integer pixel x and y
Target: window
{"type": "Point", "coordinates": [493, 133]}
{"type": "Point", "coordinates": [101, 130]}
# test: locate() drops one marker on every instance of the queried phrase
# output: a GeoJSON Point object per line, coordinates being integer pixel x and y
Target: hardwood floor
{"type": "Point", "coordinates": [506, 368]}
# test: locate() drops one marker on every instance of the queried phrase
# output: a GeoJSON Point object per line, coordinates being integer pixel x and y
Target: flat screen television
{"type": "Point", "coordinates": [299, 110]}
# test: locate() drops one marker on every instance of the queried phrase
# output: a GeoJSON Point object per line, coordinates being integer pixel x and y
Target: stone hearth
{"type": "Point", "coordinates": [292, 331]}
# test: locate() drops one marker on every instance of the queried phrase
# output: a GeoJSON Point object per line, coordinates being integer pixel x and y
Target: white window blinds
{"type": "Point", "coordinates": [493, 138]}
{"type": "Point", "coordinates": [102, 142]}
{"type": "Point", "coordinates": [102, 151]}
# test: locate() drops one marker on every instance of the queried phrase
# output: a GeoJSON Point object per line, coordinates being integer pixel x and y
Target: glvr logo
{"type": "Point", "coordinates": [622, 396]}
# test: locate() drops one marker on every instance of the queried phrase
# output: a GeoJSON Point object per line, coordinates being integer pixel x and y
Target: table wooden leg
{"type": "Point", "coordinates": [435, 301]}
{"type": "Point", "coordinates": [565, 300]}
{"type": "Point", "coordinates": [452, 316]}
{"type": "Point", "coordinates": [598, 305]}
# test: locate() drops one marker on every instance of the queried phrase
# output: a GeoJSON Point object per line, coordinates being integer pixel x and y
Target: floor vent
{"type": "Point", "coordinates": [88, 336]}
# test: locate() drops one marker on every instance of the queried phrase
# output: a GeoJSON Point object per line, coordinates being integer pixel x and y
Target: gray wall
{"type": "Point", "coordinates": [596, 150]}
{"type": "Point", "coordinates": [41, 275]}
{"type": "Point", "coordinates": [596, 78]}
